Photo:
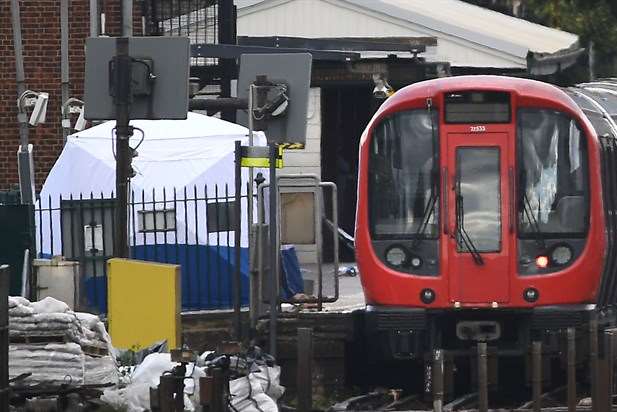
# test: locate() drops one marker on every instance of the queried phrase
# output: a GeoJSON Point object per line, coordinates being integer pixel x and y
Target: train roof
{"type": "Point", "coordinates": [597, 99]}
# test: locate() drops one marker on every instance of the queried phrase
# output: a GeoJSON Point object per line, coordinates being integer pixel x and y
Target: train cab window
{"type": "Point", "coordinates": [552, 161]}
{"type": "Point", "coordinates": [404, 176]}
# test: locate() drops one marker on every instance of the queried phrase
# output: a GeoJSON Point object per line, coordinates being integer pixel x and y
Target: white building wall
{"type": "Point", "coordinates": [307, 160]}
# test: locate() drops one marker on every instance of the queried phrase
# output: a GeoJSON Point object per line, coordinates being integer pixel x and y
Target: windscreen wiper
{"type": "Point", "coordinates": [429, 210]}
{"type": "Point", "coordinates": [528, 212]}
{"type": "Point", "coordinates": [461, 233]}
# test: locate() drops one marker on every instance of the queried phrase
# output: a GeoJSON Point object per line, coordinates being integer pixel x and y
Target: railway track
{"type": "Point", "coordinates": [585, 383]}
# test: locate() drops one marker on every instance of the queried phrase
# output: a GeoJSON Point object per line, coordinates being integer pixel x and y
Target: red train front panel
{"type": "Point", "coordinates": [479, 192]}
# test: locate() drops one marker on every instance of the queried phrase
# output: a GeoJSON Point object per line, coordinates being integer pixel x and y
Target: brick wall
{"type": "Point", "coordinates": [41, 48]}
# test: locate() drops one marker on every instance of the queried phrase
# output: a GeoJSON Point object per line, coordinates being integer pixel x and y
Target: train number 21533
{"type": "Point", "coordinates": [476, 129]}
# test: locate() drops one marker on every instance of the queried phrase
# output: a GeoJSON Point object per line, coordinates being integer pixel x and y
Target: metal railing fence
{"type": "Point", "coordinates": [192, 227]}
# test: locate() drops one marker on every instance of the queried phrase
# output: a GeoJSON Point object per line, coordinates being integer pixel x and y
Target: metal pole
{"type": "Point", "coordinates": [64, 57]}
{"type": "Point", "coordinates": [305, 371]}
{"type": "Point", "coordinates": [237, 287]}
{"type": "Point", "coordinates": [94, 18]}
{"type": "Point", "coordinates": [437, 380]}
{"type": "Point", "coordinates": [227, 35]}
{"type": "Point", "coordinates": [27, 194]}
{"type": "Point", "coordinates": [206, 392]}
{"type": "Point", "coordinates": [219, 390]}
{"type": "Point", "coordinates": [536, 378]}
{"type": "Point", "coordinates": [19, 58]}
{"type": "Point", "coordinates": [254, 298]}
{"type": "Point", "coordinates": [127, 18]}
{"type": "Point", "coordinates": [482, 378]}
{"type": "Point", "coordinates": [123, 155]}
{"type": "Point", "coordinates": [571, 370]}
{"type": "Point", "coordinates": [593, 353]}
{"type": "Point", "coordinates": [4, 337]}
{"type": "Point", "coordinates": [609, 362]}
{"type": "Point", "coordinates": [274, 249]}
{"type": "Point", "coordinates": [611, 370]}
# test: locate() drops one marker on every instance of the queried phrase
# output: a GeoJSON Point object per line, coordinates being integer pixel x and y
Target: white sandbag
{"type": "Point", "coordinates": [269, 378]}
{"type": "Point", "coordinates": [50, 305]}
{"type": "Point", "coordinates": [51, 363]}
{"type": "Point", "coordinates": [247, 395]}
{"type": "Point", "coordinates": [133, 398]}
{"type": "Point", "coordinates": [43, 326]}
{"type": "Point", "coordinates": [151, 369]}
{"type": "Point", "coordinates": [93, 330]}
{"type": "Point", "coordinates": [56, 348]}
{"type": "Point", "coordinates": [18, 300]}
{"type": "Point", "coordinates": [20, 311]}
{"type": "Point", "coordinates": [50, 376]}
{"type": "Point", "coordinates": [55, 317]}
{"type": "Point", "coordinates": [100, 370]}
{"type": "Point", "coordinates": [88, 320]}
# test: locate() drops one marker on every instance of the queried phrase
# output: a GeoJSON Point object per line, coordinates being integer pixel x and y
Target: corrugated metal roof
{"type": "Point", "coordinates": [462, 20]}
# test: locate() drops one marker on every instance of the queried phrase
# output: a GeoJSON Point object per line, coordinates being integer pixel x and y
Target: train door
{"type": "Point", "coordinates": [478, 218]}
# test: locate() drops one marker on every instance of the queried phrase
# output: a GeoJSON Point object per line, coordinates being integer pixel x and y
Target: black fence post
{"type": "Point", "coordinates": [609, 364]}
{"type": "Point", "coordinates": [4, 337]}
{"type": "Point", "coordinates": [482, 378]}
{"type": "Point", "coordinates": [594, 367]}
{"type": "Point", "coordinates": [536, 378]}
{"type": "Point", "coordinates": [305, 371]}
{"type": "Point", "coordinates": [571, 370]}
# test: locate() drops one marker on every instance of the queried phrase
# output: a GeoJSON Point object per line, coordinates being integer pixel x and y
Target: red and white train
{"type": "Point", "coordinates": [487, 212]}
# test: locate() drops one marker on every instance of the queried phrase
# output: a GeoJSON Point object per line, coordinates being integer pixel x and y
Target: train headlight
{"type": "Point", "coordinates": [427, 296]}
{"type": "Point", "coordinates": [531, 295]}
{"type": "Point", "coordinates": [396, 256]}
{"type": "Point", "coordinates": [561, 255]}
{"type": "Point", "coordinates": [415, 262]}
{"type": "Point", "coordinates": [542, 262]}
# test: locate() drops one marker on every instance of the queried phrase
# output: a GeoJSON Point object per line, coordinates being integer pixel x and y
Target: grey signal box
{"type": "Point", "coordinates": [294, 71]}
{"type": "Point", "coordinates": [159, 86]}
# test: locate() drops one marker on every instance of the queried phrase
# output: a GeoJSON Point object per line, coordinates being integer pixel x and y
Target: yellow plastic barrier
{"type": "Point", "coordinates": [143, 303]}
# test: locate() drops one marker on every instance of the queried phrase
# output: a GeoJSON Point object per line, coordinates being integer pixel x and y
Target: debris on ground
{"type": "Point", "coordinates": [254, 384]}
{"type": "Point", "coordinates": [253, 381]}
{"type": "Point", "coordinates": [349, 271]}
{"type": "Point", "coordinates": [62, 360]}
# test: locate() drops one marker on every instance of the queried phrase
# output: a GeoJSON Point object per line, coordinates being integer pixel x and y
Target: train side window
{"type": "Point", "coordinates": [552, 162]}
{"type": "Point", "coordinates": [403, 176]}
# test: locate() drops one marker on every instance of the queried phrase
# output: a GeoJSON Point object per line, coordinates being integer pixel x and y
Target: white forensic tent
{"type": "Point", "coordinates": [192, 157]}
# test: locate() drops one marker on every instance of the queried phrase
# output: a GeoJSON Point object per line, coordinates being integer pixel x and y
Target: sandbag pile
{"type": "Point", "coordinates": [57, 345]}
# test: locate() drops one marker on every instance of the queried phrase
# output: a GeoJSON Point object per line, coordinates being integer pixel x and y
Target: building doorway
{"type": "Point", "coordinates": [346, 110]}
